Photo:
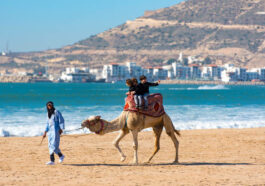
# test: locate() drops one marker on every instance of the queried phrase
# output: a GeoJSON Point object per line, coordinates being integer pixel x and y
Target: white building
{"type": "Point", "coordinates": [211, 72]}
{"type": "Point", "coordinates": [262, 74]}
{"type": "Point", "coordinates": [134, 70]}
{"type": "Point", "coordinates": [228, 76]}
{"type": "Point", "coordinates": [180, 72]}
{"type": "Point", "coordinates": [115, 72]}
{"type": "Point", "coordinates": [195, 71]}
{"type": "Point", "coordinates": [77, 75]}
{"type": "Point", "coordinates": [252, 74]}
{"type": "Point", "coordinates": [232, 73]}
{"type": "Point", "coordinates": [110, 72]}
{"type": "Point", "coordinates": [97, 73]}
{"type": "Point", "coordinates": [169, 69]}
{"type": "Point", "coordinates": [160, 73]}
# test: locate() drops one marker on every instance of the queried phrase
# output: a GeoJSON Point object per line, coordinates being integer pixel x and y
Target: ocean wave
{"type": "Point", "coordinates": [215, 87]}
{"type": "Point", "coordinates": [30, 131]}
{"type": "Point", "coordinates": [185, 117]}
{"type": "Point", "coordinates": [193, 125]}
{"type": "Point", "coordinates": [203, 87]}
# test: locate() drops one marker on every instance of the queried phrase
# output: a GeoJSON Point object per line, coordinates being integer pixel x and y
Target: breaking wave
{"type": "Point", "coordinates": [203, 87]}
{"type": "Point", "coordinates": [185, 117]}
{"type": "Point", "coordinates": [215, 87]}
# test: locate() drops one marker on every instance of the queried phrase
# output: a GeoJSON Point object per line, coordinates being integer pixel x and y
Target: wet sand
{"type": "Point", "coordinates": [207, 157]}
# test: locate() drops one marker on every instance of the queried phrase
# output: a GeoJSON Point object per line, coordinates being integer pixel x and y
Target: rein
{"type": "Point", "coordinates": [73, 130]}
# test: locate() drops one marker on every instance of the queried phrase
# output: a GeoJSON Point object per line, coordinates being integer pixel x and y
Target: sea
{"type": "Point", "coordinates": [23, 106]}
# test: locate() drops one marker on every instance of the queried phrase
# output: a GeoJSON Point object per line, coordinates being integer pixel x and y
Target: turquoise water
{"type": "Point", "coordinates": [22, 106]}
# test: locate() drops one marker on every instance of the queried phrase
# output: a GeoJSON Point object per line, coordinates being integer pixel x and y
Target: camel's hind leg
{"type": "Point", "coordinates": [170, 130]}
{"type": "Point", "coordinates": [122, 133]}
{"type": "Point", "coordinates": [157, 132]}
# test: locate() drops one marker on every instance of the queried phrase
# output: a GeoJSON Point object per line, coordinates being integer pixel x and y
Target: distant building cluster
{"type": "Point", "coordinates": [227, 73]}
{"type": "Point", "coordinates": [190, 68]}
{"type": "Point", "coordinates": [115, 72]}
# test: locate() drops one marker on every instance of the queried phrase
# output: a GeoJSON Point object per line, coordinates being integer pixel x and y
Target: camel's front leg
{"type": "Point", "coordinates": [135, 146]}
{"type": "Point", "coordinates": [122, 133]}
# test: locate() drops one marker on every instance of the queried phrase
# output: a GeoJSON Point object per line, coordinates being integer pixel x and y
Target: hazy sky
{"type": "Point", "coordinates": [33, 25]}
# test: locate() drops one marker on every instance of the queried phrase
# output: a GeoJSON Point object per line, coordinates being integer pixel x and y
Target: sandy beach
{"type": "Point", "coordinates": [207, 157]}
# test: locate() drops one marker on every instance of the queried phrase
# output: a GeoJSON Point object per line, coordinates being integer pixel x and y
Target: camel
{"type": "Point", "coordinates": [134, 122]}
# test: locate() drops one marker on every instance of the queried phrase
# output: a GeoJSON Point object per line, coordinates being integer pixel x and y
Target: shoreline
{"type": "Point", "coordinates": [207, 157]}
{"type": "Point", "coordinates": [28, 80]}
{"type": "Point", "coordinates": [143, 131]}
{"type": "Point", "coordinates": [210, 82]}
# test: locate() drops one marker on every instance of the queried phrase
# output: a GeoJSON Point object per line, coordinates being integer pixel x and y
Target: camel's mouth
{"type": "Point", "coordinates": [90, 121]}
{"type": "Point", "coordinates": [85, 124]}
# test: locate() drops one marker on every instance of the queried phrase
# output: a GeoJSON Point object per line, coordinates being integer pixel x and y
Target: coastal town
{"type": "Point", "coordinates": [189, 69]}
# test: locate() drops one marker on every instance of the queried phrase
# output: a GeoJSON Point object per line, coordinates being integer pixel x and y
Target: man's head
{"type": "Point", "coordinates": [143, 79]}
{"type": "Point", "coordinates": [49, 105]}
{"type": "Point", "coordinates": [50, 108]}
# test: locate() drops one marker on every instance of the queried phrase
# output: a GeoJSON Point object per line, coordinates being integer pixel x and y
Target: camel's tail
{"type": "Point", "coordinates": [167, 119]}
{"type": "Point", "coordinates": [177, 132]}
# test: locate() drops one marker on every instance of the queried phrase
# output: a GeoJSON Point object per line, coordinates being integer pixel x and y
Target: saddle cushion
{"type": "Point", "coordinates": [155, 105]}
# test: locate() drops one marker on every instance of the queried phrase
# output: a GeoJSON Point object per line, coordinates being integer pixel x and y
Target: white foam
{"type": "Point", "coordinates": [215, 87]}
{"type": "Point", "coordinates": [178, 88]}
{"type": "Point", "coordinates": [203, 87]}
{"type": "Point", "coordinates": [26, 122]}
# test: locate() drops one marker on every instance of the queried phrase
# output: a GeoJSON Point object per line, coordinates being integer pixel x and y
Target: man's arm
{"type": "Point", "coordinates": [61, 121]}
{"type": "Point", "coordinates": [46, 129]}
{"type": "Point", "coordinates": [152, 84]}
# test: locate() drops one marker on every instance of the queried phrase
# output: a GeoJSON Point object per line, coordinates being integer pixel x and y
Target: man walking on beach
{"type": "Point", "coordinates": [54, 128]}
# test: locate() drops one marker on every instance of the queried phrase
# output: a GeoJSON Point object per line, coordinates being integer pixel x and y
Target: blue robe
{"type": "Point", "coordinates": [54, 124]}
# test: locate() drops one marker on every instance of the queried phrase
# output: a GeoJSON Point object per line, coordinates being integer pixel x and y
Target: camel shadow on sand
{"type": "Point", "coordinates": [159, 164]}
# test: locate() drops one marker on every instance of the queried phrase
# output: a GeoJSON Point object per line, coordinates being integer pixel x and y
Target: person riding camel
{"type": "Point", "coordinates": [143, 88]}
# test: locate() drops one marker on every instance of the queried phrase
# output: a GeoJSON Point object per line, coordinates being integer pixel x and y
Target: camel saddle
{"type": "Point", "coordinates": [155, 105]}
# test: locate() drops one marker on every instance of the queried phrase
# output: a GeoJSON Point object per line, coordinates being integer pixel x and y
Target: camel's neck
{"type": "Point", "coordinates": [114, 125]}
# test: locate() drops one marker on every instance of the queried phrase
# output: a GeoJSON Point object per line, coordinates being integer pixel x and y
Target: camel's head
{"type": "Point", "coordinates": [94, 123]}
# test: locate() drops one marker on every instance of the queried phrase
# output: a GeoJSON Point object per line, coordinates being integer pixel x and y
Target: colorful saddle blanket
{"type": "Point", "coordinates": [155, 105]}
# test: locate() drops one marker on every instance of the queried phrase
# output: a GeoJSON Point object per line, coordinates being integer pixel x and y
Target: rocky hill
{"type": "Point", "coordinates": [226, 31]}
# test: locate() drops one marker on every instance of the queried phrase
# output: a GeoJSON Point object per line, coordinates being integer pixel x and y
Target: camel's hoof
{"type": "Point", "coordinates": [175, 162]}
{"type": "Point", "coordinates": [134, 163]}
{"type": "Point", "coordinates": [147, 162]}
{"type": "Point", "coordinates": [123, 158]}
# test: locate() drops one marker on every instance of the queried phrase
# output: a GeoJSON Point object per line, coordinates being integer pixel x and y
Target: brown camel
{"type": "Point", "coordinates": [134, 123]}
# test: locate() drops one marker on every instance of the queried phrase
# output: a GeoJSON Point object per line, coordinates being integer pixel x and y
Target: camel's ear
{"type": "Point", "coordinates": [98, 117]}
